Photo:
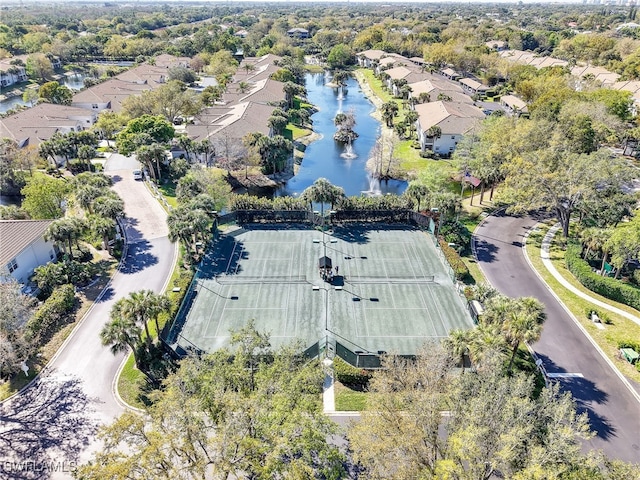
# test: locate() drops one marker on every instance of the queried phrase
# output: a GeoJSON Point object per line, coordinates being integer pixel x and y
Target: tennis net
{"type": "Point", "coordinates": [240, 279]}
{"type": "Point", "coordinates": [406, 280]}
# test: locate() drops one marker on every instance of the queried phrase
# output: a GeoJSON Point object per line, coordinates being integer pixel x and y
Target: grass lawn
{"type": "Point", "coordinates": [168, 191]}
{"type": "Point", "coordinates": [129, 383]}
{"type": "Point", "coordinates": [348, 400]}
{"type": "Point", "coordinates": [607, 338]}
{"type": "Point", "coordinates": [293, 132]}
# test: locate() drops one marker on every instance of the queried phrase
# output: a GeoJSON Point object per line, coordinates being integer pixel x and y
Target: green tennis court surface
{"type": "Point", "coordinates": [391, 291]}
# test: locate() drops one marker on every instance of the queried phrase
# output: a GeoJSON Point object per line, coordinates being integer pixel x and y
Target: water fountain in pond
{"type": "Point", "coordinates": [348, 151]}
{"type": "Point", "coordinates": [340, 93]}
{"type": "Point", "coordinates": [374, 187]}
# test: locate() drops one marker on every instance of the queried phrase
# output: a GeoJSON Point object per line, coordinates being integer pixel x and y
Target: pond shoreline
{"type": "Point", "coordinates": [387, 135]}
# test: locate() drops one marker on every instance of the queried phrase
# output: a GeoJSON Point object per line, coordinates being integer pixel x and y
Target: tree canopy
{"type": "Point", "coordinates": [245, 412]}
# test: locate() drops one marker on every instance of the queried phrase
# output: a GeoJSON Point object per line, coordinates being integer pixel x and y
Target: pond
{"type": "Point", "coordinates": [330, 159]}
{"type": "Point", "coordinates": [75, 81]}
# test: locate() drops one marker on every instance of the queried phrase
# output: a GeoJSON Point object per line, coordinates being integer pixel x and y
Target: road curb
{"type": "Point", "coordinates": [60, 349]}
{"type": "Point", "coordinates": [584, 331]}
{"type": "Point", "coordinates": [116, 379]}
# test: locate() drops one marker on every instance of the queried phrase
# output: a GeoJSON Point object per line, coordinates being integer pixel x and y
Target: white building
{"type": "Point", "coordinates": [23, 247]}
{"type": "Point", "coordinates": [453, 119]}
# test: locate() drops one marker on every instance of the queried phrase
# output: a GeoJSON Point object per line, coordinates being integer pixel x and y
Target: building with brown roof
{"type": "Point", "coordinates": [23, 247]}
{"type": "Point", "coordinates": [453, 120]}
{"type": "Point", "coordinates": [37, 124]}
{"type": "Point", "coordinates": [108, 95]}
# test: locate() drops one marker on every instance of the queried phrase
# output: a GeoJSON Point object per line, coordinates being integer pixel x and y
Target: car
{"type": "Point", "coordinates": [137, 174]}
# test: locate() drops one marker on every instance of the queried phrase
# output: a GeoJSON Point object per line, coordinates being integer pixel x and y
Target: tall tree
{"type": "Point", "coordinates": [224, 425]}
{"type": "Point", "coordinates": [53, 92]}
{"type": "Point", "coordinates": [14, 314]}
{"type": "Point", "coordinates": [558, 180]}
{"type": "Point", "coordinates": [45, 197]}
{"type": "Point", "coordinates": [496, 423]}
{"type": "Point", "coordinates": [121, 333]}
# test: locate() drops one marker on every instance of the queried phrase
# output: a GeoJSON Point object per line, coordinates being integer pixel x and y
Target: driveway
{"type": "Point", "coordinates": [52, 425]}
{"type": "Point", "coordinates": [566, 352]}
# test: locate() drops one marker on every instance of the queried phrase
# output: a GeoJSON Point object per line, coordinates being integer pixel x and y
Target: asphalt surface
{"type": "Point", "coordinates": [51, 425]}
{"type": "Point", "coordinates": [564, 349]}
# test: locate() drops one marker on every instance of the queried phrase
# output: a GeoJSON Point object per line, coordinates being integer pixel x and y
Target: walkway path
{"type": "Point", "coordinates": [546, 260]}
{"type": "Point", "coordinates": [567, 353]}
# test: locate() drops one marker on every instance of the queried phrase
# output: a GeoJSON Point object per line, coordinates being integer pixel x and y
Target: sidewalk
{"type": "Point", "coordinates": [546, 260]}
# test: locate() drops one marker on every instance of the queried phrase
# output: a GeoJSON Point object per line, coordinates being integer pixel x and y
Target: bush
{"type": "Point", "coordinates": [634, 345]}
{"type": "Point", "coordinates": [456, 232]}
{"type": "Point", "coordinates": [51, 313]}
{"type": "Point", "coordinates": [460, 270]}
{"type": "Point", "coordinates": [607, 287]}
{"type": "Point", "coordinates": [349, 375]}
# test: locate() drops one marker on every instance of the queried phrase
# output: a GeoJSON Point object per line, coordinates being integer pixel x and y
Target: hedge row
{"type": "Point", "coordinates": [52, 311]}
{"type": "Point", "coordinates": [349, 375]}
{"type": "Point", "coordinates": [459, 268]}
{"type": "Point", "coordinates": [606, 286]}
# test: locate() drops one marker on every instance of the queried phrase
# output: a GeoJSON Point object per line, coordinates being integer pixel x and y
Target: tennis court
{"type": "Point", "coordinates": [388, 291]}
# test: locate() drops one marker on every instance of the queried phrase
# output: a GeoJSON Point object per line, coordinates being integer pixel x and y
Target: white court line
{"type": "Point", "coordinates": [565, 375]}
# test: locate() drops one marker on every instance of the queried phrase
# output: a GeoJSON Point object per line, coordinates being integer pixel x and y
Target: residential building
{"type": "Point", "coordinates": [37, 124]}
{"type": "Point", "coordinates": [438, 89]}
{"type": "Point", "coordinates": [11, 74]}
{"type": "Point", "coordinates": [108, 95]}
{"type": "Point", "coordinates": [453, 120]}
{"type": "Point", "coordinates": [514, 105]}
{"type": "Point", "coordinates": [23, 247]}
{"type": "Point", "coordinates": [370, 58]}
{"type": "Point", "coordinates": [472, 86]}
{"type": "Point", "coordinates": [451, 74]}
{"type": "Point", "coordinates": [298, 33]}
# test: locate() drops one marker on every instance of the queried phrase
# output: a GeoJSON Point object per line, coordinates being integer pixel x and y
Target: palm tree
{"type": "Point", "coordinates": [523, 324]}
{"type": "Point", "coordinates": [121, 334]}
{"type": "Point", "coordinates": [424, 97]}
{"type": "Point", "coordinates": [322, 191]}
{"type": "Point", "coordinates": [594, 239]}
{"type": "Point", "coordinates": [389, 110]}
{"type": "Point", "coordinates": [486, 343]}
{"type": "Point", "coordinates": [417, 191]}
{"type": "Point", "coordinates": [161, 304]}
{"type": "Point", "coordinates": [104, 227]}
{"type": "Point", "coordinates": [139, 307]}
{"type": "Point", "coordinates": [189, 225]}
{"type": "Point", "coordinates": [65, 229]}
{"type": "Point", "coordinates": [151, 156]}
{"type": "Point", "coordinates": [458, 343]}
{"type": "Point", "coordinates": [109, 206]}
{"type": "Point", "coordinates": [411, 117]}
{"type": "Point", "coordinates": [86, 194]}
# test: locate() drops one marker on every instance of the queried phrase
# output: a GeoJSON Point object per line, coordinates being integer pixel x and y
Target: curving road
{"type": "Point", "coordinates": [566, 352]}
{"type": "Point", "coordinates": [51, 425]}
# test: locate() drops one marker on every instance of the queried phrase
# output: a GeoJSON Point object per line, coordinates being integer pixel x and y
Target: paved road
{"type": "Point", "coordinates": [564, 349]}
{"type": "Point", "coordinates": [52, 424]}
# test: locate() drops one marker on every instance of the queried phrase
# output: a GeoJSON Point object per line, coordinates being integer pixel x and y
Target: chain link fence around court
{"type": "Point", "coordinates": [351, 353]}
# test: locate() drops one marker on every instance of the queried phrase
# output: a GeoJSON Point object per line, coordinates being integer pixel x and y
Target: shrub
{"type": "Point", "coordinates": [456, 232]}
{"type": "Point", "coordinates": [607, 287]}
{"type": "Point", "coordinates": [51, 313]}
{"type": "Point", "coordinates": [350, 375]}
{"type": "Point", "coordinates": [634, 345]}
{"type": "Point", "coordinates": [460, 270]}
